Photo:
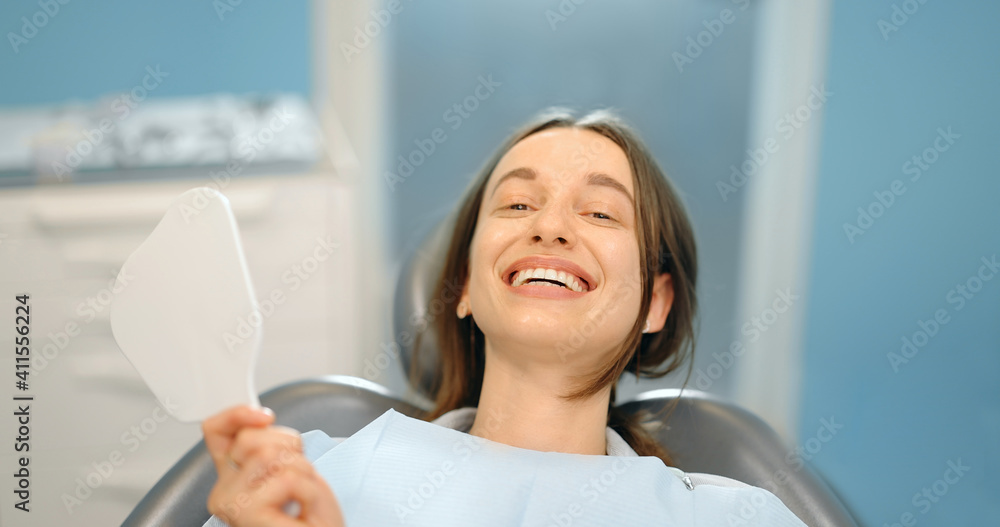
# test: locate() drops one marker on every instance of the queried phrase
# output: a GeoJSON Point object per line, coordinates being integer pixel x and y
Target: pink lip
{"type": "Point", "coordinates": [545, 291]}
{"type": "Point", "coordinates": [542, 291]}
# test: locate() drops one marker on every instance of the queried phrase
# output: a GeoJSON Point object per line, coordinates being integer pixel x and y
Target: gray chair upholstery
{"type": "Point", "coordinates": [703, 433]}
{"type": "Point", "coordinates": [708, 435]}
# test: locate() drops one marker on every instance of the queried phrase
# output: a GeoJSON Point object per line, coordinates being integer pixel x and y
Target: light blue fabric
{"type": "Point", "coordinates": [403, 471]}
{"type": "Point", "coordinates": [315, 443]}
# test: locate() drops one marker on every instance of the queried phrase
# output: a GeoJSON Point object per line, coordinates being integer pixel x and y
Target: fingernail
{"type": "Point", "coordinates": [267, 411]}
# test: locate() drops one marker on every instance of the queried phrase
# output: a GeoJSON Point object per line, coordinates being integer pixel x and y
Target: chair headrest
{"type": "Point", "coordinates": [415, 310]}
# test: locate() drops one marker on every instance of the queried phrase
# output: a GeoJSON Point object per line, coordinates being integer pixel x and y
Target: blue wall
{"type": "Point", "coordinates": [88, 49]}
{"type": "Point", "coordinates": [903, 422]}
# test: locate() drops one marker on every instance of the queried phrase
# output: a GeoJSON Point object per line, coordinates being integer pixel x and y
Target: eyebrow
{"type": "Point", "coordinates": [605, 180]}
{"type": "Point", "coordinates": [521, 173]}
{"type": "Point", "coordinates": [594, 178]}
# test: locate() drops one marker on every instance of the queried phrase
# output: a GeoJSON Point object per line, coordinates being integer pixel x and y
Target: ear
{"type": "Point", "coordinates": [663, 299]}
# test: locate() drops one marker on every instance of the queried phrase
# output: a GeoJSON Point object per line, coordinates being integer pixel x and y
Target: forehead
{"type": "Point", "coordinates": [567, 154]}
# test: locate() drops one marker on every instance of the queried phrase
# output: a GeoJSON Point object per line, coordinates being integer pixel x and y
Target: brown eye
{"type": "Point", "coordinates": [602, 216]}
{"type": "Point", "coordinates": [518, 205]}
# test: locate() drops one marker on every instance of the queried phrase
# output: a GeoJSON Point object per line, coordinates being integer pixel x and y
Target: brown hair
{"type": "Point", "coordinates": [666, 244]}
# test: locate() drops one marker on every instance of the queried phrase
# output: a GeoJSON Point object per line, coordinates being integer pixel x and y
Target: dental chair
{"type": "Point", "coordinates": [703, 433]}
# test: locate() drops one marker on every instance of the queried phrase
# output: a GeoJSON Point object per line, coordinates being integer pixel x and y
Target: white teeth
{"type": "Point", "coordinates": [571, 281]}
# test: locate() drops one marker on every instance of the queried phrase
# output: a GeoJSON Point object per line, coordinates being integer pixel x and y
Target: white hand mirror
{"type": "Point", "coordinates": [186, 317]}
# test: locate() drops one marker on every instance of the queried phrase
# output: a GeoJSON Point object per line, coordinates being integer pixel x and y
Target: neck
{"type": "Point", "coordinates": [524, 408]}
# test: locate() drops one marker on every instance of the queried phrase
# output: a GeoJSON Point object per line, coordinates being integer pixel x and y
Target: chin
{"type": "Point", "coordinates": [547, 336]}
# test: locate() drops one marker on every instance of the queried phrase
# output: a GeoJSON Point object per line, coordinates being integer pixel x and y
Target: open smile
{"type": "Point", "coordinates": [548, 277]}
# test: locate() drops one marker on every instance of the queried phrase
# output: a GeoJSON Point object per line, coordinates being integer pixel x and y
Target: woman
{"type": "Point", "coordinates": [570, 224]}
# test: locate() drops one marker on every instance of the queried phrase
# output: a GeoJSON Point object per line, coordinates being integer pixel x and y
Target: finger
{"type": "Point", "coordinates": [317, 504]}
{"type": "Point", "coordinates": [259, 495]}
{"type": "Point", "coordinates": [236, 494]}
{"type": "Point", "coordinates": [264, 443]}
{"type": "Point", "coordinates": [301, 484]}
{"type": "Point", "coordinates": [220, 429]}
{"type": "Point", "coordinates": [324, 509]}
{"type": "Point", "coordinates": [257, 454]}
{"type": "Point", "coordinates": [248, 495]}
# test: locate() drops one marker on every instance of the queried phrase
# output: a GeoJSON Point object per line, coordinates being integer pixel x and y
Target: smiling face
{"type": "Point", "coordinates": [561, 200]}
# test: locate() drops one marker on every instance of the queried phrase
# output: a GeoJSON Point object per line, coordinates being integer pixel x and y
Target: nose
{"type": "Point", "coordinates": [552, 227]}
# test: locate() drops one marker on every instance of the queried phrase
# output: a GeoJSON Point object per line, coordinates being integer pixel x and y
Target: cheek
{"type": "Point", "coordinates": [621, 257]}
{"type": "Point", "coordinates": [483, 254]}
{"type": "Point", "coordinates": [624, 278]}
{"type": "Point", "coordinates": [488, 244]}
{"type": "Point", "coordinates": [492, 233]}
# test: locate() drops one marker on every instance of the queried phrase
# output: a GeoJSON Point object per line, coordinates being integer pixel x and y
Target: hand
{"type": "Point", "coordinates": [261, 468]}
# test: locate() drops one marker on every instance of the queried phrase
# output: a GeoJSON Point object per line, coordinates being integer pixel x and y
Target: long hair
{"type": "Point", "coordinates": [666, 244]}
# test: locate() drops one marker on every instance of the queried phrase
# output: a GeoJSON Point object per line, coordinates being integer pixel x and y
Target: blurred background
{"type": "Point", "coordinates": [837, 158]}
